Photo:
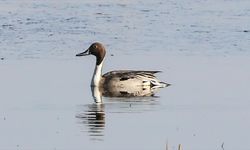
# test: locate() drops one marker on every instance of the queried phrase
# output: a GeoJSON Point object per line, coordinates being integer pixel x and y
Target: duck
{"type": "Point", "coordinates": [119, 79]}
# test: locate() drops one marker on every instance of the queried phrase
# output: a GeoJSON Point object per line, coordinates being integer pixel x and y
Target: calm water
{"type": "Point", "coordinates": [202, 47]}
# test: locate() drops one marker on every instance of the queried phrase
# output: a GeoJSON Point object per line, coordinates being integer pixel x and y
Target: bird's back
{"type": "Point", "coordinates": [130, 78]}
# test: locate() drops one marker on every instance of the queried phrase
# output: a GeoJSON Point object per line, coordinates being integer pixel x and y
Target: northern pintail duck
{"type": "Point", "coordinates": [119, 79]}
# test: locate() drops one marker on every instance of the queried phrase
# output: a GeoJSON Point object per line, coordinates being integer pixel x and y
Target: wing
{"type": "Point", "coordinates": [129, 74]}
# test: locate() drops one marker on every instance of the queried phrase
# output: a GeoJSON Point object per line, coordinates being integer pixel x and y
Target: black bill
{"type": "Point", "coordinates": [85, 53]}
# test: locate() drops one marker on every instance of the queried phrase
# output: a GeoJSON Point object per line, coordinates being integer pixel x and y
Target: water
{"type": "Point", "coordinates": [202, 47]}
{"type": "Point", "coordinates": [57, 30]}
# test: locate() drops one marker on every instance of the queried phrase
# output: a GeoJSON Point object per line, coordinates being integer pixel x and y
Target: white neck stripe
{"type": "Point", "coordinates": [97, 75]}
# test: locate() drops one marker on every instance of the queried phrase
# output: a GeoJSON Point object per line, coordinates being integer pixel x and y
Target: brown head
{"type": "Point", "coordinates": [96, 49]}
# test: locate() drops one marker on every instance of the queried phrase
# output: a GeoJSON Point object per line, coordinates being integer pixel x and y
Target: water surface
{"type": "Point", "coordinates": [202, 47]}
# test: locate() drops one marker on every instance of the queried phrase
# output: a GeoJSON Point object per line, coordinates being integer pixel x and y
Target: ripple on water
{"type": "Point", "coordinates": [127, 26]}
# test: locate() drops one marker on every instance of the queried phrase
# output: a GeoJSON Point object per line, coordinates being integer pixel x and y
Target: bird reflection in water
{"type": "Point", "coordinates": [94, 117]}
{"type": "Point", "coordinates": [135, 100]}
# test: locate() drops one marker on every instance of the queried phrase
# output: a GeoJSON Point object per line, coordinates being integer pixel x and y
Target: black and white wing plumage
{"type": "Point", "coordinates": [146, 77]}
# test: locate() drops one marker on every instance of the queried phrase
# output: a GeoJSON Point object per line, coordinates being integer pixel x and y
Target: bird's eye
{"type": "Point", "coordinates": [95, 46]}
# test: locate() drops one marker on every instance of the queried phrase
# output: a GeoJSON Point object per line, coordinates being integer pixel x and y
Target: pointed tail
{"type": "Point", "coordinates": [159, 84]}
{"type": "Point", "coordinates": [163, 84]}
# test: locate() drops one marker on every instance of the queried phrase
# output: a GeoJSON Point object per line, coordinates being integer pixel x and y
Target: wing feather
{"type": "Point", "coordinates": [126, 74]}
